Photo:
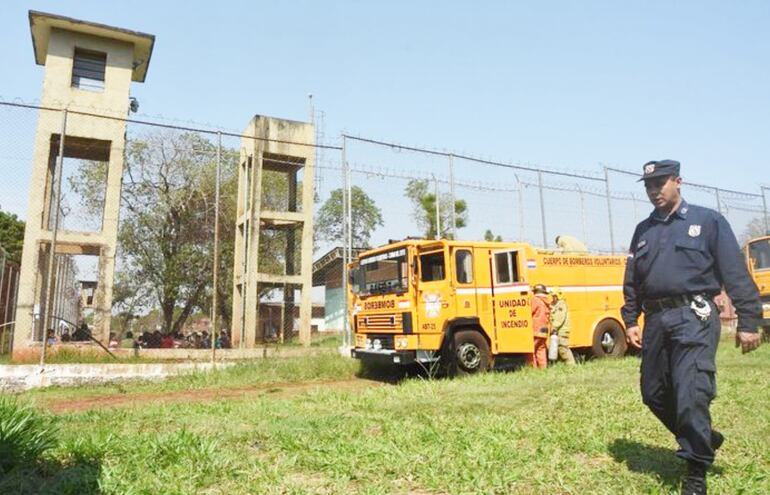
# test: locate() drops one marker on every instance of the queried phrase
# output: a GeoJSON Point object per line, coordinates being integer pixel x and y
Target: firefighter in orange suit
{"type": "Point", "coordinates": [541, 325]}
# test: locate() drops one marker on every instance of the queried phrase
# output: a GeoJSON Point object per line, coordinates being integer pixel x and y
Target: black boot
{"type": "Point", "coordinates": [716, 439]}
{"type": "Point", "coordinates": [695, 481]}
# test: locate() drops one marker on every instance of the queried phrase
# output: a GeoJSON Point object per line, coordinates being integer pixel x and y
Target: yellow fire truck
{"type": "Point", "coordinates": [467, 302]}
{"type": "Point", "coordinates": [758, 258]}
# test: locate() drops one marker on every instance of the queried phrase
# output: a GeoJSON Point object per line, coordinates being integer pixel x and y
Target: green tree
{"type": "Point", "coordinates": [166, 232]}
{"type": "Point", "coordinates": [165, 236]}
{"type": "Point", "coordinates": [11, 235]}
{"type": "Point", "coordinates": [366, 217]}
{"type": "Point", "coordinates": [489, 236]}
{"type": "Point", "coordinates": [424, 209]}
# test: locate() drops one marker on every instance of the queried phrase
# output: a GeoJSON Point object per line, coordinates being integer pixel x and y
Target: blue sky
{"type": "Point", "coordinates": [565, 85]}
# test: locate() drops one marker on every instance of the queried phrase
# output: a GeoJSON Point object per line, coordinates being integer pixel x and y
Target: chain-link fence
{"type": "Point", "coordinates": [9, 281]}
{"type": "Point", "coordinates": [175, 228]}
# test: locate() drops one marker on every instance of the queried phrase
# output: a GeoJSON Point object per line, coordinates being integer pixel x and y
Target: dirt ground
{"type": "Point", "coordinates": [285, 389]}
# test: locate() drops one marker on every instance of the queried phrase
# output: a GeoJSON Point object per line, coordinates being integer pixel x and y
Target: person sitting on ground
{"type": "Point", "coordinates": [205, 342]}
{"type": "Point", "coordinates": [224, 340]}
{"type": "Point", "coordinates": [113, 341]}
{"type": "Point", "coordinates": [155, 339]}
{"type": "Point", "coordinates": [167, 342]}
{"type": "Point", "coordinates": [50, 338]}
{"type": "Point", "coordinates": [128, 341]}
{"type": "Point", "coordinates": [82, 333]}
{"type": "Point", "coordinates": [65, 335]}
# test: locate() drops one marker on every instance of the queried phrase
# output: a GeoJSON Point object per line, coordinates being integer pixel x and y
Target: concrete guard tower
{"type": "Point", "coordinates": [275, 214]}
{"type": "Point", "coordinates": [88, 68]}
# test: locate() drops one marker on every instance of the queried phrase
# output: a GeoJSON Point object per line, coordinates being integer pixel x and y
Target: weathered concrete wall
{"type": "Point", "coordinates": [28, 376]}
{"type": "Point", "coordinates": [32, 354]}
{"type": "Point", "coordinates": [276, 138]}
{"type": "Point", "coordinates": [94, 135]}
{"type": "Point", "coordinates": [223, 354]}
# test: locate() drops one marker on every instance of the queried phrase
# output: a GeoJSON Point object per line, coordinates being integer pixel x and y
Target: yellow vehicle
{"type": "Point", "coordinates": [758, 258]}
{"type": "Point", "coordinates": [467, 302]}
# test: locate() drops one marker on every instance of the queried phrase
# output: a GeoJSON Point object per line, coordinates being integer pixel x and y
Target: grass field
{"type": "Point", "coordinates": [579, 430]}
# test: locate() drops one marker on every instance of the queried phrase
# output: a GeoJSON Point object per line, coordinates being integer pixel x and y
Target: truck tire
{"type": "Point", "coordinates": [469, 353]}
{"type": "Point", "coordinates": [609, 340]}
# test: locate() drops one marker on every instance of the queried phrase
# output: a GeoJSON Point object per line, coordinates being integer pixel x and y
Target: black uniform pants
{"type": "Point", "coordinates": [678, 382]}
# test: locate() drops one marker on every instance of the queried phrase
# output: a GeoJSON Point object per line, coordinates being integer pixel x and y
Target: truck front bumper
{"type": "Point", "coordinates": [384, 356]}
{"type": "Point", "coordinates": [389, 356]}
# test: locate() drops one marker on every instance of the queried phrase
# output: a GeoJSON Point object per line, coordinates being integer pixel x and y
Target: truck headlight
{"type": "Point", "coordinates": [377, 344]}
{"type": "Point", "coordinates": [402, 342]}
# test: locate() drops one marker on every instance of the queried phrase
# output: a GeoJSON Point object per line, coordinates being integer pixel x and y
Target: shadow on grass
{"type": "Point", "coordinates": [390, 373]}
{"type": "Point", "coordinates": [77, 477]}
{"type": "Point", "coordinates": [396, 373]}
{"type": "Point", "coordinates": [649, 459]}
{"type": "Point", "coordinates": [643, 458]}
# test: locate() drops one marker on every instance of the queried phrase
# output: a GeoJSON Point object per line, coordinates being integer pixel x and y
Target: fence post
{"type": "Point", "coordinates": [520, 193]}
{"type": "Point", "coordinates": [452, 195]}
{"type": "Point", "coordinates": [346, 337]}
{"type": "Point", "coordinates": [214, 297]}
{"type": "Point", "coordinates": [349, 179]}
{"type": "Point", "coordinates": [55, 189]}
{"type": "Point", "coordinates": [2, 271]}
{"type": "Point", "coordinates": [764, 209]}
{"type": "Point", "coordinates": [542, 207]}
{"type": "Point", "coordinates": [438, 209]}
{"type": "Point", "coordinates": [609, 208]}
{"type": "Point", "coordinates": [582, 211]}
{"type": "Point", "coordinates": [3, 320]}
{"type": "Point", "coordinates": [719, 203]}
{"type": "Point", "coordinates": [15, 298]}
{"type": "Point", "coordinates": [633, 205]}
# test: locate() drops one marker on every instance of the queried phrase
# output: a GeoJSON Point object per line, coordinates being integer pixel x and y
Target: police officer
{"type": "Point", "coordinates": [680, 257]}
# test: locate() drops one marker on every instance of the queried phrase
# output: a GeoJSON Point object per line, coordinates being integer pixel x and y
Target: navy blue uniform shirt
{"type": "Point", "coordinates": [692, 251]}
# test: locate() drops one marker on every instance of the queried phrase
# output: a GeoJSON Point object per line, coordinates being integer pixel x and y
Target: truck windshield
{"type": "Point", "coordinates": [759, 253]}
{"type": "Point", "coordinates": [383, 273]}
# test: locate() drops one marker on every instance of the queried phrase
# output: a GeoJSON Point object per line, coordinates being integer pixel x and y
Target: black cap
{"type": "Point", "coordinates": [660, 168]}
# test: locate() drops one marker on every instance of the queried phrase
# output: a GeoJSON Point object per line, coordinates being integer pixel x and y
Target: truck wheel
{"type": "Point", "coordinates": [609, 340]}
{"type": "Point", "coordinates": [470, 353]}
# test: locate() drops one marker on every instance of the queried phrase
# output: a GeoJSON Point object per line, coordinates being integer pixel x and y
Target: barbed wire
{"type": "Point", "coordinates": [169, 126]}
{"type": "Point", "coordinates": [463, 156]}
{"type": "Point", "coordinates": [379, 171]}
{"type": "Point", "coordinates": [696, 185]}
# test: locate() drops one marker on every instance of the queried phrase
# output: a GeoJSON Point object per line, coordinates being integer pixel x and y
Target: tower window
{"type": "Point", "coordinates": [88, 70]}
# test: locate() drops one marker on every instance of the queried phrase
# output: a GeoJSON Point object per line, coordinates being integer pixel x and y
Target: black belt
{"type": "Point", "coordinates": [654, 305]}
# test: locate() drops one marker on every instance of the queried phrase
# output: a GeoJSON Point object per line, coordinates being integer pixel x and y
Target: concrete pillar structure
{"type": "Point", "coordinates": [88, 71]}
{"type": "Point", "coordinates": [272, 148]}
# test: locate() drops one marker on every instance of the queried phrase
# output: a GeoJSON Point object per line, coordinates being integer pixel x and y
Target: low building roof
{"type": "Point", "coordinates": [329, 261]}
